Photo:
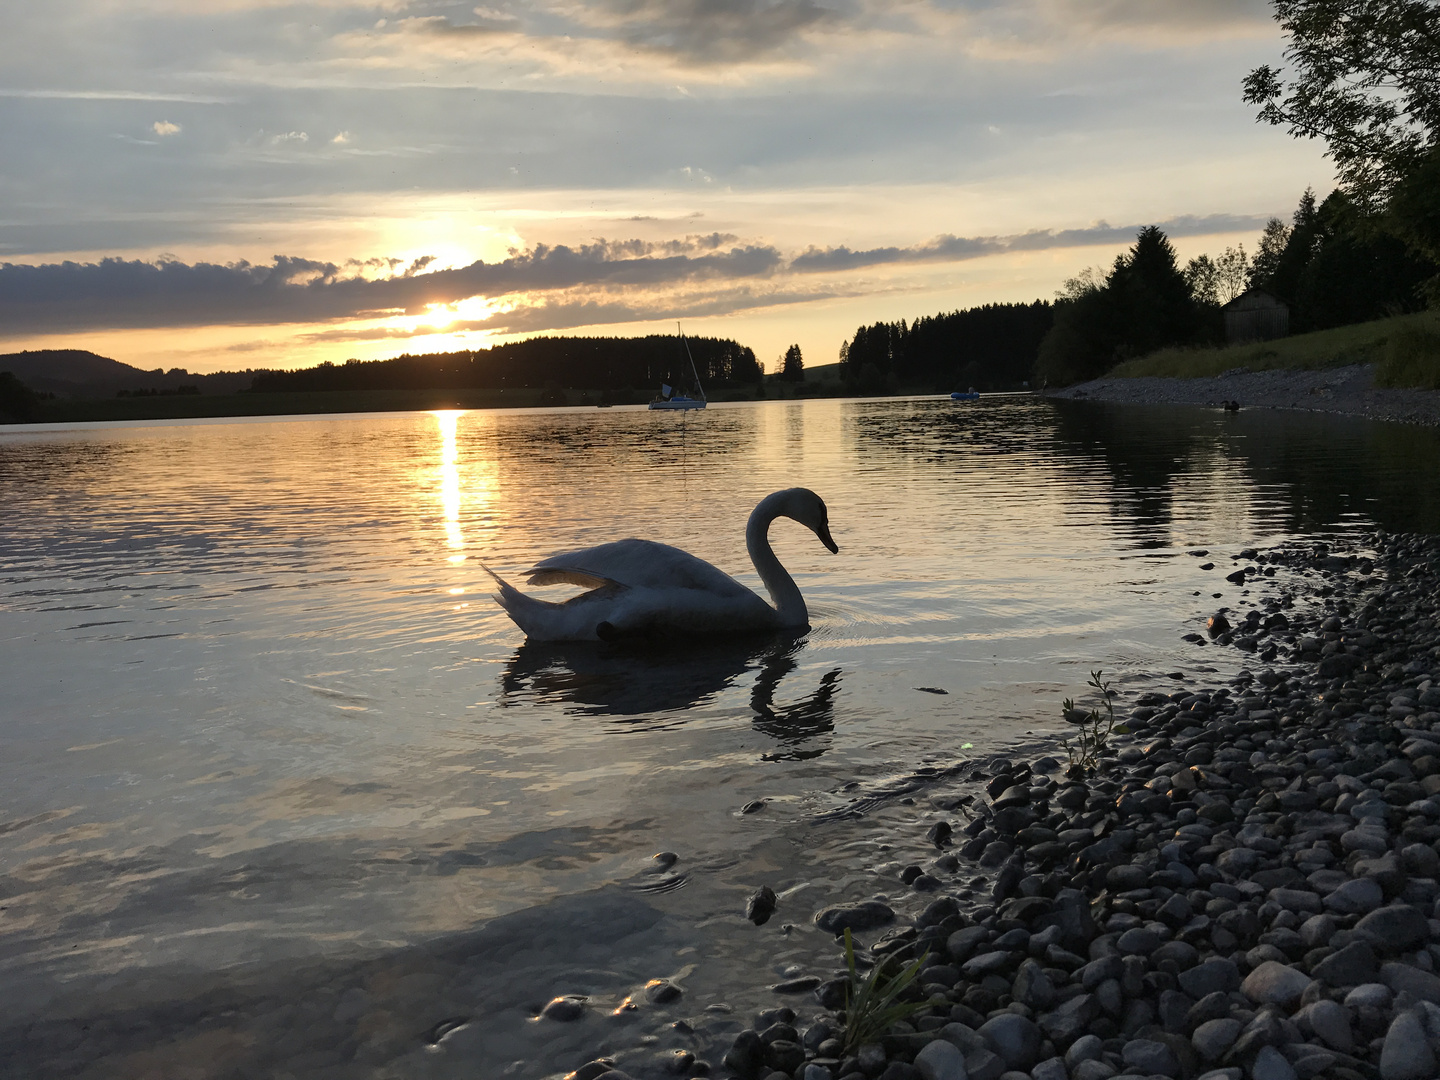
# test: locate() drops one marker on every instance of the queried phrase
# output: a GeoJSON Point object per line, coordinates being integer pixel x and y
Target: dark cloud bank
{"type": "Point", "coordinates": [121, 294]}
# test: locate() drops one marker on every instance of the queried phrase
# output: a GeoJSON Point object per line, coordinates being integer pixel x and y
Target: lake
{"type": "Point", "coordinates": [282, 786]}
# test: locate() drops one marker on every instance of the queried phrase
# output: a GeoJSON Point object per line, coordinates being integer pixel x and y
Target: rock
{"type": "Point", "coordinates": [1013, 1037]}
{"type": "Point", "coordinates": [1149, 1057]}
{"type": "Point", "coordinates": [1394, 929]}
{"type": "Point", "coordinates": [1419, 984]}
{"type": "Point", "coordinates": [871, 1057]}
{"type": "Point", "coordinates": [1369, 995]}
{"type": "Point", "coordinates": [1270, 1064]}
{"type": "Point", "coordinates": [1126, 877]}
{"type": "Point", "coordinates": [1092, 1070]}
{"type": "Point", "coordinates": [1406, 1054]}
{"type": "Point", "coordinates": [1330, 1021]}
{"type": "Point", "coordinates": [961, 944]}
{"type": "Point", "coordinates": [800, 985]}
{"type": "Point", "coordinates": [746, 1054]}
{"type": "Point", "coordinates": [1032, 987]}
{"type": "Point", "coordinates": [1212, 1040]}
{"type": "Point", "coordinates": [987, 963]}
{"type": "Point", "coordinates": [1350, 966]}
{"type": "Point", "coordinates": [1138, 941]}
{"type": "Point", "coordinates": [784, 1056]}
{"type": "Point", "coordinates": [941, 1060]}
{"type": "Point", "coordinates": [564, 1009]}
{"type": "Point", "coordinates": [1050, 1069]}
{"type": "Point", "coordinates": [816, 1071]}
{"type": "Point", "coordinates": [1359, 896]}
{"type": "Point", "coordinates": [1070, 1020]}
{"type": "Point", "coordinates": [983, 1064]}
{"type": "Point", "coordinates": [760, 905]}
{"type": "Point", "coordinates": [863, 916]}
{"type": "Point", "coordinates": [1275, 983]}
{"type": "Point", "coordinates": [662, 991]}
{"type": "Point", "coordinates": [962, 1037]}
{"type": "Point", "coordinates": [1220, 974]}
{"type": "Point", "coordinates": [1085, 1048]}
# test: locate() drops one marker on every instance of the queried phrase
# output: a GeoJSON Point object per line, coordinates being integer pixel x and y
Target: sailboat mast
{"type": "Point", "coordinates": [698, 388]}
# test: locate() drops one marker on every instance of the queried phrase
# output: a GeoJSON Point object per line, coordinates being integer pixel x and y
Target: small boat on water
{"type": "Point", "coordinates": [966, 395]}
{"type": "Point", "coordinates": [673, 399]}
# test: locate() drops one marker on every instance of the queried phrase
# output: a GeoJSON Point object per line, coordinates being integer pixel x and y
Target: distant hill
{"type": "Point", "coordinates": [78, 373]}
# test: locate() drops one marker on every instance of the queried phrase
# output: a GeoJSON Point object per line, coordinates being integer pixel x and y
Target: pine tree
{"type": "Point", "coordinates": [793, 369]}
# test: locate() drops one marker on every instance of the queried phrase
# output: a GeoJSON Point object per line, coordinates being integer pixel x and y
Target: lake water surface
{"type": "Point", "coordinates": [282, 786]}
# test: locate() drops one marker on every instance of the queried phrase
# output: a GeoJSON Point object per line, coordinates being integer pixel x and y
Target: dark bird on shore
{"type": "Point", "coordinates": [1230, 406]}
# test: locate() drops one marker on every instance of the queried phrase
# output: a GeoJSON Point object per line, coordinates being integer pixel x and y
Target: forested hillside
{"type": "Point", "coordinates": [579, 363]}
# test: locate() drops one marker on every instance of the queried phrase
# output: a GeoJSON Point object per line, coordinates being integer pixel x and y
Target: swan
{"type": "Point", "coordinates": [639, 588]}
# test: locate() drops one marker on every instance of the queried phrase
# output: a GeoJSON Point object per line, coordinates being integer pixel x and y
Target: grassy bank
{"type": "Point", "coordinates": [1405, 350]}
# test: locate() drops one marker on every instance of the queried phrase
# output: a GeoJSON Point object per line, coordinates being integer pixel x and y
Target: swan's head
{"type": "Point", "coordinates": [804, 506]}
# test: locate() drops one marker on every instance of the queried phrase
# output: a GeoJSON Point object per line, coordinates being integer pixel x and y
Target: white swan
{"type": "Point", "coordinates": [641, 588]}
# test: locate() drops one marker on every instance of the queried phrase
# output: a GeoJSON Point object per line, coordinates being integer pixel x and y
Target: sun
{"type": "Point", "coordinates": [438, 316]}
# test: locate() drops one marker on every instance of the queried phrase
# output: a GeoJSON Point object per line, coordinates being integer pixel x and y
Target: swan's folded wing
{"type": "Point", "coordinates": [640, 564]}
{"type": "Point", "coordinates": [569, 575]}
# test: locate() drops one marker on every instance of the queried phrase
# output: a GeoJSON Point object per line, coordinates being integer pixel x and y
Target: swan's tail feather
{"type": "Point", "coordinates": [528, 612]}
{"type": "Point", "coordinates": [542, 620]}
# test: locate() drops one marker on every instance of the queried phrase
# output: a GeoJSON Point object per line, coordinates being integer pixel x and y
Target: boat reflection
{"type": "Point", "coordinates": [652, 684]}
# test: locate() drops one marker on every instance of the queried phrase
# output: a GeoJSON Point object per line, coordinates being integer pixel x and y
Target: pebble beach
{"type": "Point", "coordinates": [1346, 391]}
{"type": "Point", "coordinates": [1246, 886]}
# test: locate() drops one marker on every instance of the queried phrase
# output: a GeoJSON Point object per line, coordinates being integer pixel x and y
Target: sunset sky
{"type": "Point", "coordinates": [252, 183]}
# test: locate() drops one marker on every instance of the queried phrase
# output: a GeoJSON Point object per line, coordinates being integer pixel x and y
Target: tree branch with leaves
{"type": "Point", "coordinates": [1365, 79]}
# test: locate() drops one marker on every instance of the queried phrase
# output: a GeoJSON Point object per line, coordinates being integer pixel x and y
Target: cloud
{"type": "Point", "coordinates": [165, 127]}
{"type": "Point", "coordinates": [599, 277]}
{"type": "Point", "coordinates": [116, 293]}
{"type": "Point", "coordinates": [711, 31]}
{"type": "Point", "coordinates": [957, 248]}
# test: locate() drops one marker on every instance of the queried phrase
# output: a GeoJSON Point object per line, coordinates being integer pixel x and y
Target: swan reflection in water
{"type": "Point", "coordinates": [648, 686]}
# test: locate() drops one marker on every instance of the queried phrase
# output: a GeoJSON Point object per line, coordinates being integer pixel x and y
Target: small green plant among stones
{"type": "Point", "coordinates": [1095, 729]}
{"type": "Point", "coordinates": [873, 1003]}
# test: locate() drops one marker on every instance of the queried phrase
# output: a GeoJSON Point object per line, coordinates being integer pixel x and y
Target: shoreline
{"type": "Point", "coordinates": [1246, 887]}
{"type": "Point", "coordinates": [1345, 391]}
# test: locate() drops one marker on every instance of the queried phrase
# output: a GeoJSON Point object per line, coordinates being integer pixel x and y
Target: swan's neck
{"type": "Point", "coordinates": [789, 604]}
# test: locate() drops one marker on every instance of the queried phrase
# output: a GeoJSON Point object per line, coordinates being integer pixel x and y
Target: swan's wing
{"type": "Point", "coordinates": [570, 576]}
{"type": "Point", "coordinates": [636, 564]}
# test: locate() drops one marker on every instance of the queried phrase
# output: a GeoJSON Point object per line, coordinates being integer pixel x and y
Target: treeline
{"type": "Point", "coordinates": [1335, 264]}
{"type": "Point", "coordinates": [640, 364]}
{"type": "Point", "coordinates": [993, 347]}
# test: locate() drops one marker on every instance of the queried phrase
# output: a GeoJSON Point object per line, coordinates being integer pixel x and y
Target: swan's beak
{"type": "Point", "coordinates": [824, 534]}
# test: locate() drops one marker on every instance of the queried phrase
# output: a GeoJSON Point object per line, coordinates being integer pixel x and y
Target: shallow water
{"type": "Point", "coordinates": [280, 776]}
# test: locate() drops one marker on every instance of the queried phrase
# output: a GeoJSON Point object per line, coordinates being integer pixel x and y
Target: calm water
{"type": "Point", "coordinates": [268, 743]}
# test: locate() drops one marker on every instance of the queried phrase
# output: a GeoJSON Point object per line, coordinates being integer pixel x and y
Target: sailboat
{"type": "Point", "coordinates": [673, 399]}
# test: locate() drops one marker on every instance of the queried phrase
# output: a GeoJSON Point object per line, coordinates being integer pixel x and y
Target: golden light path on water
{"type": "Point", "coordinates": [450, 483]}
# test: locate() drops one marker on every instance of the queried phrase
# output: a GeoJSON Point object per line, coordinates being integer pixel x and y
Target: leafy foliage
{"type": "Point", "coordinates": [1095, 729]}
{"type": "Point", "coordinates": [1366, 81]}
{"type": "Point", "coordinates": [873, 1003]}
{"type": "Point", "coordinates": [1341, 264]}
{"type": "Point", "coordinates": [1144, 303]}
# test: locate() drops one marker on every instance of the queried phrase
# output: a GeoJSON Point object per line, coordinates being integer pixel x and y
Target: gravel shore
{"type": "Point", "coordinates": [1349, 391]}
{"type": "Point", "coordinates": [1247, 886]}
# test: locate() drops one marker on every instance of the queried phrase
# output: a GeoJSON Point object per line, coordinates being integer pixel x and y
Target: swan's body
{"type": "Point", "coordinates": [641, 588]}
